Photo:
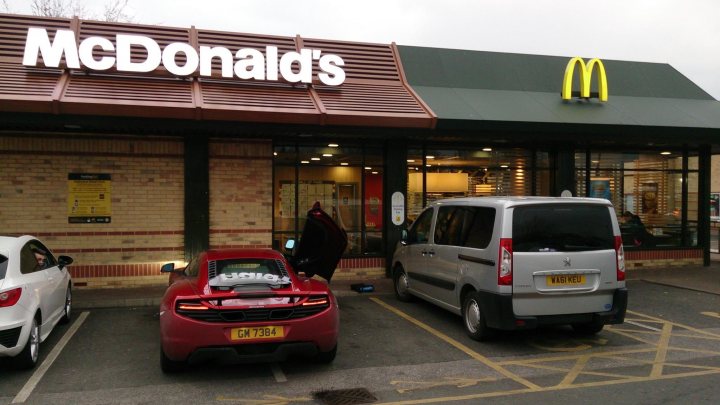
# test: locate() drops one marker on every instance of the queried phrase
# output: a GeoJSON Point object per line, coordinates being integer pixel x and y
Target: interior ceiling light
{"type": "Point", "coordinates": [429, 157]}
{"type": "Point", "coordinates": [666, 153]}
{"type": "Point", "coordinates": [411, 160]}
{"type": "Point", "coordinates": [305, 161]}
{"type": "Point", "coordinates": [487, 149]}
{"type": "Point", "coordinates": [374, 172]}
{"type": "Point", "coordinates": [327, 154]}
{"type": "Point", "coordinates": [344, 164]}
{"type": "Point", "coordinates": [368, 168]}
{"type": "Point", "coordinates": [504, 166]}
{"type": "Point", "coordinates": [333, 145]}
{"type": "Point", "coordinates": [274, 153]}
{"type": "Point", "coordinates": [315, 158]}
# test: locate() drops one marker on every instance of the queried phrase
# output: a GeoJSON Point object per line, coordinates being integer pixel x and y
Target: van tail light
{"type": "Point", "coordinates": [620, 258]}
{"type": "Point", "coordinates": [10, 297]}
{"type": "Point", "coordinates": [505, 259]}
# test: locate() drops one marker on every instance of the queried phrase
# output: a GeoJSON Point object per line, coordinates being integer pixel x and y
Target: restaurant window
{"type": "Point", "coordinates": [347, 180]}
{"type": "Point", "coordinates": [646, 189]}
{"type": "Point", "coordinates": [436, 173]}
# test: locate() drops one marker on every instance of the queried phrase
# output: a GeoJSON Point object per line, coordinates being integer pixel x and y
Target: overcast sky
{"type": "Point", "coordinates": [683, 33]}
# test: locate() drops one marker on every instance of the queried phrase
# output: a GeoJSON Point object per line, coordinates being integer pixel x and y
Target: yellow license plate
{"type": "Point", "coordinates": [261, 332]}
{"type": "Point", "coordinates": [565, 280]}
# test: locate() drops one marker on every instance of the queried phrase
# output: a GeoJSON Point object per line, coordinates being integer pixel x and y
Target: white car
{"type": "Point", "coordinates": [35, 294]}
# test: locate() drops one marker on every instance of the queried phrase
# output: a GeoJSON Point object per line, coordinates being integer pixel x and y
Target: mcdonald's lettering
{"type": "Point", "coordinates": [586, 73]}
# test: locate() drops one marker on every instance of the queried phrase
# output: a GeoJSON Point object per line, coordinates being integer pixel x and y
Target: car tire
{"type": "Point", "coordinates": [170, 366]}
{"type": "Point", "coordinates": [28, 357]}
{"type": "Point", "coordinates": [473, 318]}
{"type": "Point", "coordinates": [326, 357]}
{"type": "Point", "coordinates": [588, 328]}
{"type": "Point", "coordinates": [67, 311]}
{"type": "Point", "coordinates": [400, 284]}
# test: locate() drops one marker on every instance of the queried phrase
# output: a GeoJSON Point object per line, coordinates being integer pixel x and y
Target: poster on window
{"type": "Point", "coordinates": [89, 198]}
{"type": "Point", "coordinates": [715, 207]}
{"type": "Point", "coordinates": [600, 188]}
{"type": "Point", "coordinates": [649, 195]}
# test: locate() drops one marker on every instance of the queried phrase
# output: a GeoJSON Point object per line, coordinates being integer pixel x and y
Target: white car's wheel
{"type": "Point", "coordinates": [67, 312]}
{"type": "Point", "coordinates": [28, 357]}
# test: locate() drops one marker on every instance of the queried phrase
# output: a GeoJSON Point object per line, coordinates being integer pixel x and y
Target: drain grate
{"type": "Point", "coordinates": [350, 396]}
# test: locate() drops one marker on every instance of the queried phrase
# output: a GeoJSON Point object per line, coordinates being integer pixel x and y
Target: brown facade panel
{"type": "Point", "coordinates": [373, 91]}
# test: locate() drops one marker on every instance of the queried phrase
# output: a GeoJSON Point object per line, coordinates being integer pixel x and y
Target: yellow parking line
{"type": "Point", "coordinates": [700, 331]}
{"type": "Point", "coordinates": [662, 350]}
{"type": "Point", "coordinates": [574, 372]}
{"type": "Point", "coordinates": [458, 345]}
{"type": "Point", "coordinates": [713, 314]}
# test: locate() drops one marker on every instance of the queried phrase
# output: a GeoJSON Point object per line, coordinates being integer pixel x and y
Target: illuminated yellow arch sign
{"type": "Point", "coordinates": [586, 72]}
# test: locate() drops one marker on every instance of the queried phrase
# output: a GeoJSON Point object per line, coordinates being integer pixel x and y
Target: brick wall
{"type": "Point", "coordinates": [146, 196]}
{"type": "Point", "coordinates": [240, 193]}
{"type": "Point", "coordinates": [662, 258]}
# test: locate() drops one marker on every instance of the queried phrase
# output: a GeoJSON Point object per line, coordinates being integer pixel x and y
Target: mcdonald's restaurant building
{"type": "Point", "coordinates": [129, 146]}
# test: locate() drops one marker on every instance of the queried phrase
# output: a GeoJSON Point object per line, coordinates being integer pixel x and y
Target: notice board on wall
{"type": "Point", "coordinates": [308, 192]}
{"type": "Point", "coordinates": [89, 198]}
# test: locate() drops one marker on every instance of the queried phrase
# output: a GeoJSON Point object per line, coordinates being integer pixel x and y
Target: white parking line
{"type": "Point", "coordinates": [643, 325]}
{"type": "Point", "coordinates": [278, 373]}
{"type": "Point", "coordinates": [43, 368]}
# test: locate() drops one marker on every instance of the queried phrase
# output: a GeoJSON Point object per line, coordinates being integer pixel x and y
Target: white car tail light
{"type": "Point", "coordinates": [620, 258]}
{"type": "Point", "coordinates": [10, 297]}
{"type": "Point", "coordinates": [505, 264]}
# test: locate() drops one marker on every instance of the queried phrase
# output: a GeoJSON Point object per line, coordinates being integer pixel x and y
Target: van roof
{"type": "Point", "coordinates": [507, 201]}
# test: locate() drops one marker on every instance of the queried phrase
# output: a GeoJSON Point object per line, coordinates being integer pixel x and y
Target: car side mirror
{"type": "Point", "coordinates": [404, 237]}
{"type": "Point", "coordinates": [64, 261]}
{"type": "Point", "coordinates": [167, 268]}
{"type": "Point", "coordinates": [290, 245]}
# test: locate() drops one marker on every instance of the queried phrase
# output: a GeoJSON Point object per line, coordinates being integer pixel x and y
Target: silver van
{"type": "Point", "coordinates": [516, 262]}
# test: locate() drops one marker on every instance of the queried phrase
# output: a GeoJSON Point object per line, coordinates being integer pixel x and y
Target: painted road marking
{"type": "Point", "coordinates": [267, 400]}
{"type": "Point", "coordinates": [713, 314]}
{"type": "Point", "coordinates": [30, 385]}
{"type": "Point", "coordinates": [642, 325]}
{"type": "Point", "coordinates": [278, 373]}
{"type": "Point", "coordinates": [475, 355]}
{"type": "Point", "coordinates": [459, 382]}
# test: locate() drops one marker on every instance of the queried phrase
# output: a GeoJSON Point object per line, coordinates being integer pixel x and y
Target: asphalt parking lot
{"type": "Point", "coordinates": [402, 353]}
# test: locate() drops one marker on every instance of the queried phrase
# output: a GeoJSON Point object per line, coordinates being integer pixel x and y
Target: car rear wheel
{"type": "Point", "coordinates": [326, 357]}
{"type": "Point", "coordinates": [473, 318]}
{"type": "Point", "coordinates": [170, 366]}
{"type": "Point", "coordinates": [67, 312]}
{"type": "Point", "coordinates": [400, 282]}
{"type": "Point", "coordinates": [28, 357]}
{"type": "Point", "coordinates": [588, 328]}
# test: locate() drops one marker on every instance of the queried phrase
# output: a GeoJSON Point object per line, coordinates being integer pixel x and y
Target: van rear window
{"type": "Point", "coordinates": [562, 228]}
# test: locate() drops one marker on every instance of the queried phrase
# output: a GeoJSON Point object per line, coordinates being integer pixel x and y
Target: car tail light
{"type": "Point", "coordinates": [192, 306]}
{"type": "Point", "coordinates": [620, 258]}
{"type": "Point", "coordinates": [10, 297]}
{"type": "Point", "coordinates": [505, 262]}
{"type": "Point", "coordinates": [313, 301]}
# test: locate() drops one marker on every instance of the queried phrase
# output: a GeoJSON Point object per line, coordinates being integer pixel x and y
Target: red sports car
{"type": "Point", "coordinates": [253, 305]}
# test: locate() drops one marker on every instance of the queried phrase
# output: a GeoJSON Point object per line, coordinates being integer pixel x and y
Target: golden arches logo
{"type": "Point", "coordinates": [586, 72]}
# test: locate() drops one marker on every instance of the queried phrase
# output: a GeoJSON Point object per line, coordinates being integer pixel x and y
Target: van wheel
{"type": "Point", "coordinates": [473, 318]}
{"type": "Point", "coordinates": [400, 281]}
{"type": "Point", "coordinates": [588, 328]}
{"type": "Point", "coordinates": [28, 357]}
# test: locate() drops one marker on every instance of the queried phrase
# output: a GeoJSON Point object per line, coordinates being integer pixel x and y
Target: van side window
{"type": "Point", "coordinates": [420, 230]}
{"type": "Point", "coordinates": [478, 225]}
{"type": "Point", "coordinates": [448, 227]}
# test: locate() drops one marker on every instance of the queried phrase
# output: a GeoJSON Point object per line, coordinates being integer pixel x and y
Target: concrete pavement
{"type": "Point", "coordinates": [696, 278]}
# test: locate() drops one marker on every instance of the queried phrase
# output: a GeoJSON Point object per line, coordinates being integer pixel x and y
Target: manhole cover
{"type": "Point", "coordinates": [345, 397]}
